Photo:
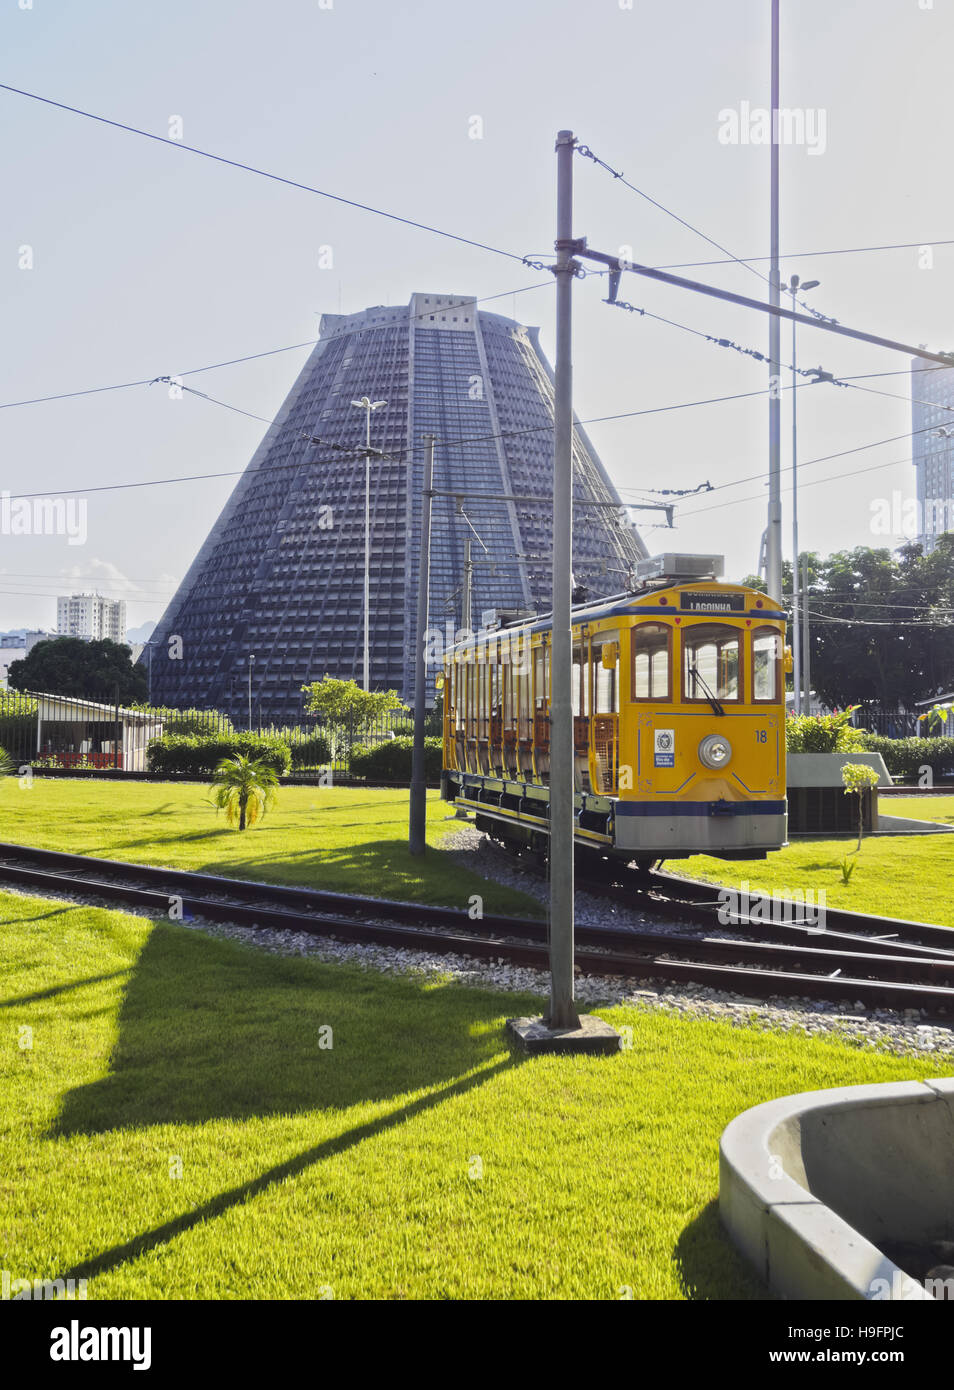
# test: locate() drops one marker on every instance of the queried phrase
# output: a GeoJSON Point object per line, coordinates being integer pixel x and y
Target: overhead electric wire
{"type": "Point", "coordinates": [869, 622]}
{"type": "Point", "coordinates": [261, 173]}
{"type": "Point", "coordinates": [872, 603]}
{"type": "Point", "coordinates": [254, 356]}
{"type": "Point", "coordinates": [819, 377]}
{"type": "Point", "coordinates": [587, 153]}
{"type": "Point", "coordinates": [806, 255]}
{"type": "Point", "coordinates": [816, 482]}
{"type": "Point", "coordinates": [24, 593]}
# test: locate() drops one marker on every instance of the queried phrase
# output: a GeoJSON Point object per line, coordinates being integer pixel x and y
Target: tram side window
{"type": "Point", "coordinates": [652, 661]}
{"type": "Point", "coordinates": [540, 673]}
{"type": "Point", "coordinates": [580, 692]}
{"type": "Point", "coordinates": [471, 700]}
{"type": "Point", "coordinates": [523, 703]}
{"type": "Point", "coordinates": [606, 695]}
{"type": "Point", "coordinates": [766, 664]}
{"type": "Point", "coordinates": [711, 662]}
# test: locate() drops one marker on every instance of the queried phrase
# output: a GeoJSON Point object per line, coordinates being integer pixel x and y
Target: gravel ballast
{"type": "Point", "coordinates": [904, 1034]}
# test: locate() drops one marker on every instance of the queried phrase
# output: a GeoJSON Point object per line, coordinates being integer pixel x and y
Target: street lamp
{"type": "Point", "coordinates": [149, 646]}
{"type": "Point", "coordinates": [793, 288]}
{"type": "Point", "coordinates": [367, 405]}
{"type": "Point", "coordinates": [251, 662]}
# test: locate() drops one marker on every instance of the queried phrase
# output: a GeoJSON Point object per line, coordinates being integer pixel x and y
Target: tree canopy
{"type": "Point", "coordinates": [343, 704]}
{"type": "Point", "coordinates": [101, 671]}
{"type": "Point", "coordinates": [882, 623]}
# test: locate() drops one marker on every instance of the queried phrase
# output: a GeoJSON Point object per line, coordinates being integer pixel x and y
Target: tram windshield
{"type": "Point", "coordinates": [712, 662]}
{"type": "Point", "coordinates": [766, 664]}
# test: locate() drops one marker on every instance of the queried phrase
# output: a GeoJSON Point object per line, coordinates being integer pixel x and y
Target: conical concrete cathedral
{"type": "Point", "coordinates": [281, 576]}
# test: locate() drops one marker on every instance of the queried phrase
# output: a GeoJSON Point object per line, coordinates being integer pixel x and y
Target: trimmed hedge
{"type": "Point", "coordinates": [201, 754]}
{"type": "Point", "coordinates": [313, 751]}
{"type": "Point", "coordinates": [391, 761]}
{"type": "Point", "coordinates": [904, 757]}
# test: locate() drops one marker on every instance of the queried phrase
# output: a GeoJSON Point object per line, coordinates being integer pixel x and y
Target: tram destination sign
{"type": "Point", "coordinates": [696, 602]}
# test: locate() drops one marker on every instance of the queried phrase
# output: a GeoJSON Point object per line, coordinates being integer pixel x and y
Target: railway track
{"type": "Point", "coordinates": [904, 971]}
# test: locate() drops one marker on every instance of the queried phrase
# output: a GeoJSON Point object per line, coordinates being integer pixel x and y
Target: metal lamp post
{"type": "Point", "coordinates": [251, 663]}
{"type": "Point", "coordinates": [794, 285]}
{"type": "Point", "coordinates": [367, 405]}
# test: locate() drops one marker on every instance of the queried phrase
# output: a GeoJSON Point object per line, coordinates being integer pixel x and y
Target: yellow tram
{"type": "Point", "coordinates": [679, 720]}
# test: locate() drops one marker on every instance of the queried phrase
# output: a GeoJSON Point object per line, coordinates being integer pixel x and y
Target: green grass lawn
{"type": "Point", "coordinates": [937, 808]}
{"type": "Point", "coordinates": [344, 839]}
{"type": "Point", "coordinates": [898, 876]}
{"type": "Point", "coordinates": [414, 1158]}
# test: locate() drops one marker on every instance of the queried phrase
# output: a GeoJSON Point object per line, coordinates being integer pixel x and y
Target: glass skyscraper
{"type": "Point", "coordinates": [281, 574]}
{"type": "Point", "coordinates": [932, 403]}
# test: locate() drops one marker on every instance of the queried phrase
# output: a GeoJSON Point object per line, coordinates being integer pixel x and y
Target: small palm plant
{"type": "Point", "coordinates": [7, 766]}
{"type": "Point", "coordinates": [244, 789]}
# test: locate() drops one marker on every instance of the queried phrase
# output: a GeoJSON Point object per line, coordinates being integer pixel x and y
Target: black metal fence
{"type": "Point", "coordinates": [63, 735]}
{"type": "Point", "coordinates": [893, 723]}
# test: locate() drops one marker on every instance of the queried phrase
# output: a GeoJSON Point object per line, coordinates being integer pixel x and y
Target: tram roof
{"type": "Point", "coordinates": [615, 606]}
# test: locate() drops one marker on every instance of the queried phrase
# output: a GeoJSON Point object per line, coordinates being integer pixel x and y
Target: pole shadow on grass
{"type": "Point", "coordinates": [55, 990]}
{"type": "Point", "coordinates": [292, 1168]}
{"type": "Point", "coordinates": [708, 1264]}
{"type": "Point", "coordinates": [211, 1030]}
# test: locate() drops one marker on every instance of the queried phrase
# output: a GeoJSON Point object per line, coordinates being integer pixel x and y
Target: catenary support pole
{"type": "Point", "coordinates": [466, 617]}
{"type": "Point", "coordinates": [806, 643]}
{"type": "Point", "coordinates": [562, 1008]}
{"type": "Point", "coordinates": [774, 556]}
{"type": "Point", "coordinates": [418, 812]}
{"type": "Point", "coordinates": [367, 552]}
{"type": "Point", "coordinates": [796, 569]}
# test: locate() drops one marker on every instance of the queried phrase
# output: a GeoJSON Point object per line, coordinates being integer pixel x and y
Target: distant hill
{"type": "Point", "coordinates": [140, 634]}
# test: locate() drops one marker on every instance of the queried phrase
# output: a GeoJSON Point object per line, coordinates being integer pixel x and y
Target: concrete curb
{"type": "Point", "coordinates": [810, 1185]}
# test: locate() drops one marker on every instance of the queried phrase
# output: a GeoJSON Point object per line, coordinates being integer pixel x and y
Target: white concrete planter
{"type": "Point", "coordinates": [824, 769]}
{"type": "Point", "coordinates": [811, 1185]}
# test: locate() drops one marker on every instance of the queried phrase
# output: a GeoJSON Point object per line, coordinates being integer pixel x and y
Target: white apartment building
{"type": "Point", "coordinates": [14, 646]}
{"type": "Point", "coordinates": [91, 617]}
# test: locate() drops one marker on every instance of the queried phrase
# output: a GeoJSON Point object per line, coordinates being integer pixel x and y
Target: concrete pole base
{"type": "Point", "coordinates": [593, 1037]}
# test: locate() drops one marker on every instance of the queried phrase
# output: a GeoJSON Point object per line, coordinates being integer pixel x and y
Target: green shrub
{"type": "Point", "coordinates": [200, 754]}
{"type": "Point", "coordinates": [823, 733]}
{"type": "Point", "coordinates": [18, 722]}
{"type": "Point", "coordinates": [904, 757]}
{"type": "Point", "coordinates": [201, 722]}
{"type": "Point", "coordinates": [391, 761]}
{"type": "Point", "coordinates": [312, 751]}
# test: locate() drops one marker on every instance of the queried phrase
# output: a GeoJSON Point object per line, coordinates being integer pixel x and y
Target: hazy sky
{"type": "Point", "coordinates": [149, 261]}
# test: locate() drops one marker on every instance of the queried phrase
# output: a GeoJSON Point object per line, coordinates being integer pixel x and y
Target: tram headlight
{"type": "Point", "coordinates": [715, 751]}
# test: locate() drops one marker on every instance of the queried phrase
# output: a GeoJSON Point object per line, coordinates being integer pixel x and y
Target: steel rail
{"type": "Point", "coordinates": [919, 982]}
